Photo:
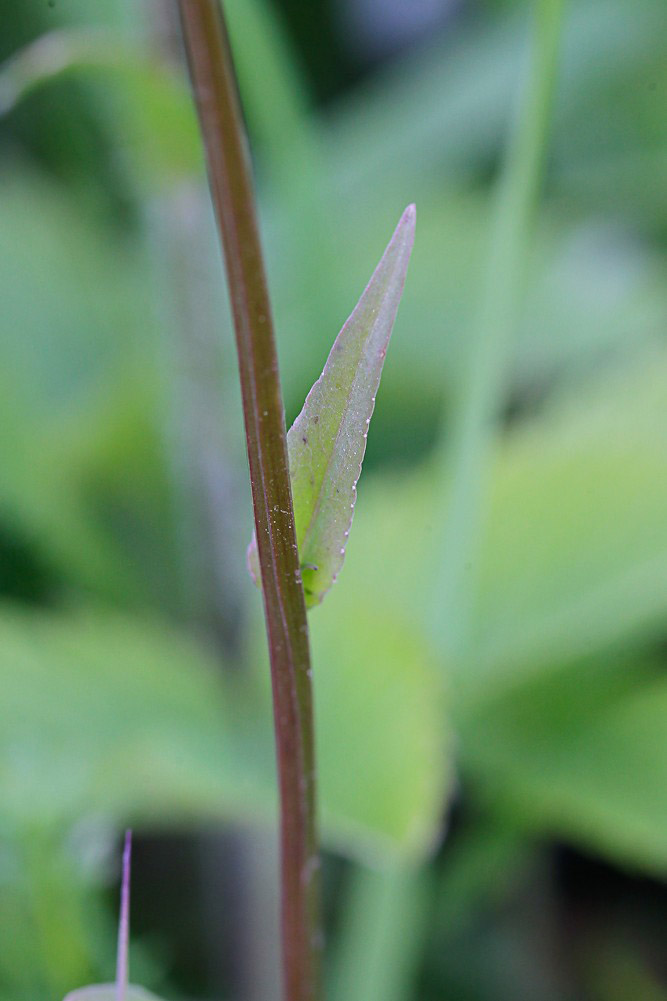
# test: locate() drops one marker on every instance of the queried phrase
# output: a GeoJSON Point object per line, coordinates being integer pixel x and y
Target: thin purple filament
{"type": "Point", "coordinates": [124, 922]}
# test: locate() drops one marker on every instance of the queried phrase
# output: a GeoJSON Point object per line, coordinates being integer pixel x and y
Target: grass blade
{"type": "Point", "coordinates": [474, 426]}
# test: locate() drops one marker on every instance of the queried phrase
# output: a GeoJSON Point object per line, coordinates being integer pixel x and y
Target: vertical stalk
{"type": "Point", "coordinates": [483, 384]}
{"type": "Point", "coordinates": [229, 172]}
{"type": "Point", "coordinates": [122, 969]}
{"type": "Point", "coordinates": [380, 943]}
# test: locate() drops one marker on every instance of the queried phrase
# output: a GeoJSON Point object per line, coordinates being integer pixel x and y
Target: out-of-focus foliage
{"type": "Point", "coordinates": [549, 728]}
{"type": "Point", "coordinates": [573, 567]}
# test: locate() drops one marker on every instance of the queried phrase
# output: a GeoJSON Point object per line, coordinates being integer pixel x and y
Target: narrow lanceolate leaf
{"type": "Point", "coordinates": [326, 443]}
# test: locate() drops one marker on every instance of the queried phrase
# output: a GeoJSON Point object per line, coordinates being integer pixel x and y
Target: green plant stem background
{"type": "Point", "coordinates": [482, 391]}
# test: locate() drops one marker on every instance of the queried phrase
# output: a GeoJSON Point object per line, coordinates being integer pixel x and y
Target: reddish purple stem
{"type": "Point", "coordinates": [230, 179]}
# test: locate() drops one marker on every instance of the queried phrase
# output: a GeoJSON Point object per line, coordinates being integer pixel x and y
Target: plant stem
{"type": "Point", "coordinates": [483, 385]}
{"type": "Point", "coordinates": [380, 942]}
{"type": "Point", "coordinates": [229, 171]}
{"type": "Point", "coordinates": [122, 969]}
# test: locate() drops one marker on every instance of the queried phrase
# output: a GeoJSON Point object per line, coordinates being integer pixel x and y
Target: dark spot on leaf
{"type": "Point", "coordinates": [316, 419]}
{"type": "Point", "coordinates": [304, 440]}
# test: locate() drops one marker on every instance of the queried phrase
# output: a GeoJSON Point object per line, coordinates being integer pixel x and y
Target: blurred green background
{"type": "Point", "coordinates": [490, 677]}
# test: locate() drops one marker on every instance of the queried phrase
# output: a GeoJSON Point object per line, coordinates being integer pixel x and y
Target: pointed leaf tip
{"type": "Point", "coordinates": [410, 214]}
{"type": "Point", "coordinates": [327, 442]}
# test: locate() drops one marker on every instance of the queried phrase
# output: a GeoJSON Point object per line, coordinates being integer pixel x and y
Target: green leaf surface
{"type": "Point", "coordinates": [52, 921]}
{"type": "Point", "coordinates": [574, 564]}
{"type": "Point", "coordinates": [143, 100]}
{"type": "Point", "coordinates": [580, 754]}
{"type": "Point", "coordinates": [74, 296]}
{"type": "Point", "coordinates": [75, 344]}
{"type": "Point", "coordinates": [383, 739]}
{"type": "Point", "coordinates": [326, 443]}
{"type": "Point", "coordinates": [574, 556]}
{"type": "Point", "coordinates": [384, 745]}
{"type": "Point", "coordinates": [573, 561]}
{"type": "Point", "coordinates": [106, 715]}
{"type": "Point", "coordinates": [108, 992]}
{"type": "Point", "coordinates": [114, 716]}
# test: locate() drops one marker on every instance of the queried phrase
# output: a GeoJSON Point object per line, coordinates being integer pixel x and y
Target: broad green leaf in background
{"type": "Point", "coordinates": [53, 925]}
{"type": "Point", "coordinates": [574, 556]}
{"type": "Point", "coordinates": [145, 101]}
{"type": "Point", "coordinates": [109, 715]}
{"type": "Point", "coordinates": [76, 361]}
{"type": "Point", "coordinates": [384, 743]}
{"type": "Point", "coordinates": [560, 724]}
{"type": "Point", "coordinates": [75, 302]}
{"type": "Point", "coordinates": [113, 716]}
{"type": "Point", "coordinates": [580, 754]}
{"type": "Point", "coordinates": [326, 443]}
{"type": "Point", "coordinates": [384, 740]}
